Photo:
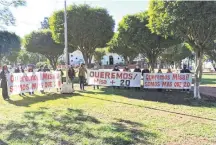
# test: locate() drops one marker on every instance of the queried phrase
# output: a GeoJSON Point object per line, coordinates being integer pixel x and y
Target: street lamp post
{"type": "Point", "coordinates": [66, 40]}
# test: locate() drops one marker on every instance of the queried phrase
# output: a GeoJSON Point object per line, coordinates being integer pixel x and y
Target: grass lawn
{"type": "Point", "coordinates": [209, 79]}
{"type": "Point", "coordinates": [107, 116]}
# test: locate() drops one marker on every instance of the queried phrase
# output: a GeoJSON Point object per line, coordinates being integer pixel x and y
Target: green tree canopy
{"type": "Point", "coordinates": [6, 16]}
{"type": "Point", "coordinates": [41, 42]}
{"type": "Point", "coordinates": [137, 36]}
{"type": "Point", "coordinates": [88, 28]}
{"type": "Point", "coordinates": [120, 46]}
{"type": "Point", "coordinates": [191, 21]}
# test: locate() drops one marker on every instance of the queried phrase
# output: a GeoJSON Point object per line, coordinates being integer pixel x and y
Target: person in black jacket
{"type": "Point", "coordinates": [71, 75]}
{"type": "Point", "coordinates": [3, 77]}
{"type": "Point", "coordinates": [137, 69]}
{"type": "Point", "coordinates": [145, 70]}
{"type": "Point", "coordinates": [185, 70]}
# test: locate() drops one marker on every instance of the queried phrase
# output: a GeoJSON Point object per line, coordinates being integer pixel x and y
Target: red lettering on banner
{"type": "Point", "coordinates": [177, 84]}
{"type": "Point", "coordinates": [119, 76]}
{"type": "Point", "coordinates": [47, 76]}
{"type": "Point", "coordinates": [125, 76]}
{"type": "Point", "coordinates": [24, 87]}
{"type": "Point", "coordinates": [48, 84]}
{"type": "Point", "coordinates": [102, 75]}
{"type": "Point", "coordinates": [152, 84]}
{"type": "Point", "coordinates": [113, 75]}
{"type": "Point", "coordinates": [107, 75]}
{"type": "Point", "coordinates": [12, 78]}
{"type": "Point", "coordinates": [59, 83]}
{"type": "Point", "coordinates": [34, 86]}
{"type": "Point", "coordinates": [166, 84]}
{"type": "Point", "coordinates": [179, 77]}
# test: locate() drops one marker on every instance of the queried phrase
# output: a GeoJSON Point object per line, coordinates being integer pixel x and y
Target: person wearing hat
{"type": "Point", "coordinates": [3, 77]}
{"type": "Point", "coordinates": [185, 70]}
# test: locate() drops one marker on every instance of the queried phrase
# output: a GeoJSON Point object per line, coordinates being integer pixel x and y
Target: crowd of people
{"type": "Point", "coordinates": [82, 71]}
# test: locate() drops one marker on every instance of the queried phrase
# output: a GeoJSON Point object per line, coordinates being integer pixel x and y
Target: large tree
{"type": "Point", "coordinates": [6, 16]}
{"type": "Point", "coordinates": [191, 21]}
{"type": "Point", "coordinates": [137, 36]}
{"type": "Point", "coordinates": [9, 42]}
{"type": "Point", "coordinates": [175, 54]}
{"type": "Point", "coordinates": [120, 46]}
{"type": "Point", "coordinates": [88, 28]}
{"type": "Point", "coordinates": [41, 42]}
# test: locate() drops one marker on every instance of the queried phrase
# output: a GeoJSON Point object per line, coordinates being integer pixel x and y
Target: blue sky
{"type": "Point", "coordinates": [28, 18]}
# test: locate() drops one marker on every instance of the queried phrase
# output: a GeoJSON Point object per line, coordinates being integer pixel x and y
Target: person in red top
{"type": "Point", "coordinates": [30, 69]}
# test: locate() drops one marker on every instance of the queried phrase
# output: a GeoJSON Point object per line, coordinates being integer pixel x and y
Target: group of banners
{"type": "Point", "coordinates": [29, 82]}
{"type": "Point", "coordinates": [133, 79]}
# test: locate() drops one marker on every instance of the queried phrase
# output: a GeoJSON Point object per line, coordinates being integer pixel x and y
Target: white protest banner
{"type": "Point", "coordinates": [114, 78]}
{"type": "Point", "coordinates": [168, 80]}
{"type": "Point", "coordinates": [28, 82]}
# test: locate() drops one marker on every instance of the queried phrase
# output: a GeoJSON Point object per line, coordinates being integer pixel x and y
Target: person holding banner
{"type": "Point", "coordinates": [30, 69]}
{"type": "Point", "coordinates": [96, 67]}
{"type": "Point", "coordinates": [127, 69]}
{"type": "Point", "coordinates": [159, 71]}
{"type": "Point", "coordinates": [82, 74]}
{"type": "Point", "coordinates": [137, 69]}
{"type": "Point", "coordinates": [116, 68]}
{"type": "Point", "coordinates": [19, 70]}
{"type": "Point", "coordinates": [3, 77]}
{"type": "Point", "coordinates": [185, 70]}
{"type": "Point", "coordinates": [169, 71]}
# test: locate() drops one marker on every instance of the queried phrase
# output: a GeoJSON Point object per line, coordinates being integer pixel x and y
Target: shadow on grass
{"type": "Point", "coordinates": [73, 127]}
{"type": "Point", "coordinates": [175, 97]}
{"type": "Point", "coordinates": [2, 142]}
{"type": "Point", "coordinates": [26, 101]}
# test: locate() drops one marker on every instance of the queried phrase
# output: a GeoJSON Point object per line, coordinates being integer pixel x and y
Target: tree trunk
{"type": "Point", "coordinates": [152, 66]}
{"type": "Point", "coordinates": [53, 63]}
{"type": "Point", "coordinates": [198, 73]}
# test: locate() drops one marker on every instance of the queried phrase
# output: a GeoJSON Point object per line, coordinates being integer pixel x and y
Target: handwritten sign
{"type": "Point", "coordinates": [29, 82]}
{"type": "Point", "coordinates": [114, 78]}
{"type": "Point", "coordinates": [168, 81]}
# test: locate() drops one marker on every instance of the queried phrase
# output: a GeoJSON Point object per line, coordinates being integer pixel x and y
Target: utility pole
{"type": "Point", "coordinates": [66, 40]}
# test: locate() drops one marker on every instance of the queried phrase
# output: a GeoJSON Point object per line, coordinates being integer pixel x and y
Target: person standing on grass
{"type": "Point", "coordinates": [116, 68]}
{"type": "Point", "coordinates": [71, 75]}
{"type": "Point", "coordinates": [3, 78]}
{"type": "Point", "coordinates": [137, 69]}
{"type": "Point", "coordinates": [127, 69]}
{"type": "Point", "coordinates": [82, 74]}
{"type": "Point", "coordinates": [96, 67]}
{"type": "Point", "coordinates": [169, 71]}
{"type": "Point", "coordinates": [159, 89]}
{"type": "Point", "coordinates": [30, 69]}
{"type": "Point", "coordinates": [19, 70]}
{"type": "Point", "coordinates": [185, 70]}
{"type": "Point", "coordinates": [144, 71]}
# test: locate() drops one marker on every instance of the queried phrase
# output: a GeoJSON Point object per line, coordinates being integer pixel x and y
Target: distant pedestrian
{"type": "Point", "coordinates": [3, 77]}
{"type": "Point", "coordinates": [127, 69]}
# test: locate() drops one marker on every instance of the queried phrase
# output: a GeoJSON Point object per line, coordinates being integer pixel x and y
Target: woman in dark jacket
{"type": "Point", "coordinates": [3, 77]}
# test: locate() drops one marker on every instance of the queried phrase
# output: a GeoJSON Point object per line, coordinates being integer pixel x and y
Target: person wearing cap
{"type": "Point", "coordinates": [3, 77]}
{"type": "Point", "coordinates": [82, 74]}
{"type": "Point", "coordinates": [185, 70]}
